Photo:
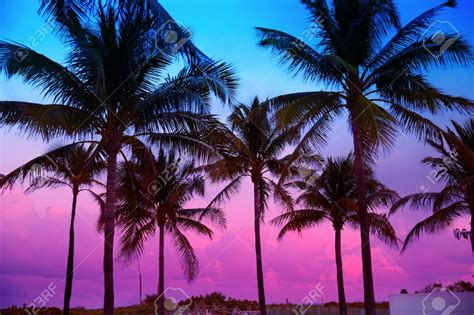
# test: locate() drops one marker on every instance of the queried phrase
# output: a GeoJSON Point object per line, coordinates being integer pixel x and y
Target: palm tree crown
{"type": "Point", "coordinates": [73, 166]}
{"type": "Point", "coordinates": [331, 196]}
{"type": "Point", "coordinates": [455, 167]}
{"type": "Point", "coordinates": [113, 87]}
{"type": "Point", "coordinates": [153, 192]}
{"type": "Point", "coordinates": [250, 148]}
{"type": "Point", "coordinates": [379, 82]}
{"type": "Point", "coordinates": [114, 79]}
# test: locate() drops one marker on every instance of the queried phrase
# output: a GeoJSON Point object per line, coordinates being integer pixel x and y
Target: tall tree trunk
{"type": "Point", "coordinates": [258, 248]}
{"type": "Point", "coordinates": [70, 254]}
{"type": "Point", "coordinates": [359, 174]}
{"type": "Point", "coordinates": [161, 267]}
{"type": "Point", "coordinates": [109, 227]}
{"type": "Point", "coordinates": [340, 275]}
{"type": "Point", "coordinates": [472, 231]}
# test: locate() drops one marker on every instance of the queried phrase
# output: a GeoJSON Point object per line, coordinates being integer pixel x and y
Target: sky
{"type": "Point", "coordinates": [33, 227]}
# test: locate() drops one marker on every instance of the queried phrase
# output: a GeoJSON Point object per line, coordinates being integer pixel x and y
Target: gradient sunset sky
{"type": "Point", "coordinates": [33, 228]}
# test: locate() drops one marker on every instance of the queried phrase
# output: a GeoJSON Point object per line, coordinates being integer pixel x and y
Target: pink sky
{"type": "Point", "coordinates": [33, 246]}
{"type": "Point", "coordinates": [34, 228]}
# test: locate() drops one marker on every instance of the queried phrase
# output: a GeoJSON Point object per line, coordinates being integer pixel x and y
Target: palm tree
{"type": "Point", "coordinates": [332, 197]}
{"type": "Point", "coordinates": [250, 149]}
{"type": "Point", "coordinates": [153, 192]}
{"type": "Point", "coordinates": [378, 82]}
{"type": "Point", "coordinates": [73, 166]}
{"type": "Point", "coordinates": [113, 87]}
{"type": "Point", "coordinates": [454, 166]}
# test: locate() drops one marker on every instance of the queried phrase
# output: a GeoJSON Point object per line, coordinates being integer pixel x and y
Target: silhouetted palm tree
{"type": "Point", "coordinates": [455, 166]}
{"type": "Point", "coordinates": [73, 166]}
{"type": "Point", "coordinates": [250, 149]}
{"type": "Point", "coordinates": [378, 82]}
{"type": "Point", "coordinates": [331, 196]}
{"type": "Point", "coordinates": [114, 88]}
{"type": "Point", "coordinates": [153, 193]}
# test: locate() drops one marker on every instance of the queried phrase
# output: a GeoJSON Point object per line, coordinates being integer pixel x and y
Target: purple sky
{"type": "Point", "coordinates": [33, 228]}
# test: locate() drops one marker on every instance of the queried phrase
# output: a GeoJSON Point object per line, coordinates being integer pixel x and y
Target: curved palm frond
{"type": "Point", "coordinates": [189, 261]}
{"type": "Point", "coordinates": [54, 80]}
{"type": "Point", "coordinates": [45, 182]}
{"type": "Point", "coordinates": [407, 35]}
{"type": "Point", "coordinates": [48, 121]}
{"type": "Point", "coordinates": [415, 201]}
{"type": "Point", "coordinates": [438, 221]}
{"type": "Point", "coordinates": [187, 224]}
{"type": "Point", "coordinates": [301, 58]}
{"type": "Point", "coordinates": [214, 215]}
{"type": "Point", "coordinates": [298, 220]}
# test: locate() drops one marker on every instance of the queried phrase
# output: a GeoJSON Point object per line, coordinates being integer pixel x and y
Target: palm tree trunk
{"type": "Point", "coordinates": [340, 275]}
{"type": "Point", "coordinates": [472, 231]}
{"type": "Point", "coordinates": [70, 254]}
{"type": "Point", "coordinates": [161, 279]}
{"type": "Point", "coordinates": [258, 249]}
{"type": "Point", "coordinates": [109, 227]}
{"type": "Point", "coordinates": [359, 174]}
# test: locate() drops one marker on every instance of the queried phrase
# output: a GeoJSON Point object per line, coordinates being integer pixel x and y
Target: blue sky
{"type": "Point", "coordinates": [224, 29]}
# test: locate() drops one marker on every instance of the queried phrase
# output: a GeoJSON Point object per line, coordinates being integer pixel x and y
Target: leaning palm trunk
{"type": "Point", "coordinates": [258, 249]}
{"type": "Point", "coordinates": [359, 174]}
{"type": "Point", "coordinates": [340, 275]}
{"type": "Point", "coordinates": [70, 254]}
{"type": "Point", "coordinates": [109, 229]}
{"type": "Point", "coordinates": [161, 267]}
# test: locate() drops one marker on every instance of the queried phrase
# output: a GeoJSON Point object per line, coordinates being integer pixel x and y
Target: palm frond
{"type": "Point", "coordinates": [305, 107]}
{"type": "Point", "coordinates": [45, 182]}
{"type": "Point", "coordinates": [187, 224]}
{"type": "Point", "coordinates": [407, 35]}
{"type": "Point", "coordinates": [415, 201]}
{"type": "Point", "coordinates": [133, 237]}
{"type": "Point", "coordinates": [213, 214]}
{"type": "Point", "coordinates": [415, 123]}
{"type": "Point", "coordinates": [298, 220]}
{"type": "Point", "coordinates": [438, 221]}
{"type": "Point", "coordinates": [382, 229]}
{"type": "Point", "coordinates": [301, 58]}
{"type": "Point", "coordinates": [54, 80]}
{"type": "Point", "coordinates": [189, 261]}
{"type": "Point", "coordinates": [48, 121]}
